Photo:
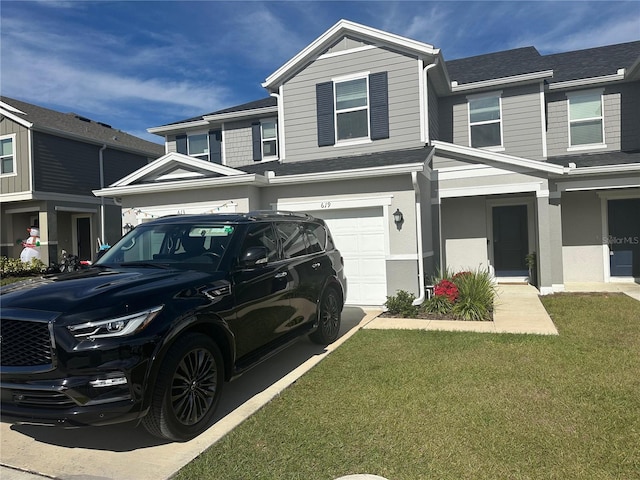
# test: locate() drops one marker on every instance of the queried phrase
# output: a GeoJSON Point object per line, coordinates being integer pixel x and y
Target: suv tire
{"type": "Point", "coordinates": [187, 390]}
{"type": "Point", "coordinates": [329, 319]}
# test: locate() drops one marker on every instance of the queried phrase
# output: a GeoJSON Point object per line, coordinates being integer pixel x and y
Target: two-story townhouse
{"type": "Point", "coordinates": [418, 164]}
{"type": "Point", "coordinates": [50, 163]}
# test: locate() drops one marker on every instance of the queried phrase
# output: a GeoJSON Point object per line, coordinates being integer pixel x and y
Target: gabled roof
{"type": "Point", "coordinates": [341, 29]}
{"type": "Point", "coordinates": [175, 166]}
{"type": "Point", "coordinates": [76, 126]}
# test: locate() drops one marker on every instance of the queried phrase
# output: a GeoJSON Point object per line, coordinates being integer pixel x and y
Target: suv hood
{"type": "Point", "coordinates": [97, 288]}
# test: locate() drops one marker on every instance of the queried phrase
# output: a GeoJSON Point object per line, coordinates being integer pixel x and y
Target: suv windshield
{"type": "Point", "coordinates": [189, 245]}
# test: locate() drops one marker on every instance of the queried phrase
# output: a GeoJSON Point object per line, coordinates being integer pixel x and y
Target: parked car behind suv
{"type": "Point", "coordinates": [175, 308]}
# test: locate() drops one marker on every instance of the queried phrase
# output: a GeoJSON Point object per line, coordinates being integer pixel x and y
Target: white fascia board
{"type": "Point", "coordinates": [15, 197]}
{"type": "Point", "coordinates": [246, 179]}
{"type": "Point", "coordinates": [497, 157]}
{"type": "Point", "coordinates": [178, 127]}
{"type": "Point", "coordinates": [7, 113]}
{"type": "Point", "coordinates": [497, 82]}
{"type": "Point", "coordinates": [608, 169]}
{"type": "Point", "coordinates": [583, 82]}
{"type": "Point", "coordinates": [345, 174]}
{"type": "Point", "coordinates": [180, 159]}
{"type": "Point", "coordinates": [255, 112]}
{"type": "Point", "coordinates": [599, 184]}
{"type": "Point", "coordinates": [343, 27]}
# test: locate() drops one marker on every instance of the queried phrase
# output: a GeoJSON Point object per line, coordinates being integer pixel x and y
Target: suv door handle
{"type": "Point", "coordinates": [315, 266]}
{"type": "Point", "coordinates": [281, 275]}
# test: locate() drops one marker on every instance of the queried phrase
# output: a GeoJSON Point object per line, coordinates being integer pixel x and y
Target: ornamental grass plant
{"type": "Point", "coordinates": [466, 295]}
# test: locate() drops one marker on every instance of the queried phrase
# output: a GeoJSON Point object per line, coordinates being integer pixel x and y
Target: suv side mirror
{"type": "Point", "coordinates": [253, 256]}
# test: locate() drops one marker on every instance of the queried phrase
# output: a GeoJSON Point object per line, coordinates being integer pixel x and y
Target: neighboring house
{"type": "Point", "coordinates": [485, 159]}
{"type": "Point", "coordinates": [50, 163]}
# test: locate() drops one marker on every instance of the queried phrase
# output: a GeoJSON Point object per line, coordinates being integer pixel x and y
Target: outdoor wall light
{"type": "Point", "coordinates": [127, 227]}
{"type": "Point", "coordinates": [398, 218]}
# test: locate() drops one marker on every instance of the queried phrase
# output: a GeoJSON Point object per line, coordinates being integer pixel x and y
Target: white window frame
{"type": "Point", "coordinates": [585, 93]}
{"type": "Point", "coordinates": [347, 78]}
{"type": "Point", "coordinates": [200, 156]}
{"type": "Point", "coordinates": [481, 96]}
{"type": "Point", "coordinates": [264, 139]}
{"type": "Point", "coordinates": [11, 137]}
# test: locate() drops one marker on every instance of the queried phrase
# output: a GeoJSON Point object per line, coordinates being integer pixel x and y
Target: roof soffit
{"type": "Point", "coordinates": [352, 30]}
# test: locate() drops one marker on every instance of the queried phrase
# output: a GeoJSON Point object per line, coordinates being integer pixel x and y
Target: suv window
{"type": "Point", "coordinates": [301, 238]}
{"type": "Point", "coordinates": [262, 235]}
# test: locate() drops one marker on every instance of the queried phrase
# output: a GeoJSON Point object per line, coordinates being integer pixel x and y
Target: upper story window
{"type": "Point", "coordinates": [7, 157]}
{"type": "Point", "coordinates": [353, 108]}
{"type": "Point", "coordinates": [205, 146]}
{"type": "Point", "coordinates": [586, 121]}
{"type": "Point", "coordinates": [265, 140]}
{"type": "Point", "coordinates": [198, 146]}
{"type": "Point", "coordinates": [485, 121]}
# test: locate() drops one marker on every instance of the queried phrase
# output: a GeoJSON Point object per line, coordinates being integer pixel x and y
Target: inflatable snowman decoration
{"type": "Point", "coordinates": [31, 246]}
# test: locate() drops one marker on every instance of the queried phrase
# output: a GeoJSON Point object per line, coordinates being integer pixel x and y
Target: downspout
{"type": "Point", "coordinates": [416, 189]}
{"type": "Point", "coordinates": [102, 149]}
{"type": "Point", "coordinates": [280, 124]}
{"type": "Point", "coordinates": [426, 98]}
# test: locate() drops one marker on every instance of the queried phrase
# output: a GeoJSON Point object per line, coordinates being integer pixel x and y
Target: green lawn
{"type": "Point", "coordinates": [410, 405]}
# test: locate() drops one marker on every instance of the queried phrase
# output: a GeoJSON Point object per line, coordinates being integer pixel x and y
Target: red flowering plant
{"type": "Point", "coordinates": [448, 289]}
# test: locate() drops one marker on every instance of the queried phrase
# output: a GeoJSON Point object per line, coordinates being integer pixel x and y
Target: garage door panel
{"type": "Point", "coordinates": [359, 235]}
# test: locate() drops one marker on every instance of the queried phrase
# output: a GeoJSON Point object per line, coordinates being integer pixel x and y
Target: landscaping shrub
{"type": "Point", "coordinates": [402, 304]}
{"type": "Point", "coordinates": [14, 267]}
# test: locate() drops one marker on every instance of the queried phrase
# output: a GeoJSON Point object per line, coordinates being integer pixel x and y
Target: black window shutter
{"type": "Point", "coordinates": [324, 107]}
{"type": "Point", "coordinates": [256, 141]}
{"type": "Point", "coordinates": [379, 99]}
{"type": "Point", "coordinates": [181, 144]}
{"type": "Point", "coordinates": [215, 146]}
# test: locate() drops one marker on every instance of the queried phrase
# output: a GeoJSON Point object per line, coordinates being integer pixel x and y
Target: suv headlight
{"type": "Point", "coordinates": [114, 327]}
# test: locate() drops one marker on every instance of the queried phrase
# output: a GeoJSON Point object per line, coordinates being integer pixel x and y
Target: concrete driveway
{"type": "Point", "coordinates": [128, 452]}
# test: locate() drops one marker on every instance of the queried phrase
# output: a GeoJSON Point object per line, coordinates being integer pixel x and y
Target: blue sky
{"type": "Point", "coordinates": [141, 64]}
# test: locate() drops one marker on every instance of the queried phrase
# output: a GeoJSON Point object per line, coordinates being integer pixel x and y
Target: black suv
{"type": "Point", "coordinates": [176, 307]}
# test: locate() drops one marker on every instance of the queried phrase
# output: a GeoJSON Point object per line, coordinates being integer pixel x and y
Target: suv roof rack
{"type": "Point", "coordinates": [277, 214]}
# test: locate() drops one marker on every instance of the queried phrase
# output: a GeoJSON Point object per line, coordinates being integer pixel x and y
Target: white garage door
{"type": "Point", "coordinates": [359, 235]}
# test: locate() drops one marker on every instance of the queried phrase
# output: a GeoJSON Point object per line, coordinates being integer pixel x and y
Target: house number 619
{"type": "Point", "coordinates": [325, 205]}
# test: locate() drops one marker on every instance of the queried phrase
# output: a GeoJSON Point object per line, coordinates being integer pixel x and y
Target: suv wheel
{"type": "Point", "coordinates": [329, 319]}
{"type": "Point", "coordinates": [187, 391]}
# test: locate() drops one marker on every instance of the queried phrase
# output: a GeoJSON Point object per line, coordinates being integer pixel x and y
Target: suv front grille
{"type": "Point", "coordinates": [25, 344]}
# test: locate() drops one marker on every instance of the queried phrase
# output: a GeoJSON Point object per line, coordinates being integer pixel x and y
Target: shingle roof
{"type": "Point", "coordinates": [495, 65]}
{"type": "Point", "coordinates": [78, 126]}
{"type": "Point", "coordinates": [378, 159]}
{"type": "Point", "coordinates": [245, 107]}
{"type": "Point", "coordinates": [597, 159]}
{"type": "Point", "coordinates": [592, 62]}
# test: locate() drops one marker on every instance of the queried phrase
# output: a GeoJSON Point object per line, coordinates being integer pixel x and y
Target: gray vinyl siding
{"type": "Point", "coordinates": [66, 166]}
{"type": "Point", "coordinates": [237, 144]}
{"type": "Point", "coordinates": [300, 103]}
{"type": "Point", "coordinates": [434, 119]}
{"type": "Point", "coordinates": [521, 121]}
{"type": "Point", "coordinates": [20, 181]}
{"type": "Point", "coordinates": [346, 43]}
{"type": "Point", "coordinates": [621, 107]}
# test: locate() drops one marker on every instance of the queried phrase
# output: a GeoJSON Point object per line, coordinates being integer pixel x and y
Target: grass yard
{"type": "Point", "coordinates": [410, 405]}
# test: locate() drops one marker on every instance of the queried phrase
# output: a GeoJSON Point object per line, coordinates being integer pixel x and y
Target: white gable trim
{"type": "Point", "coordinates": [8, 111]}
{"type": "Point", "coordinates": [341, 28]}
{"type": "Point", "coordinates": [179, 159]}
{"type": "Point", "coordinates": [481, 155]}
